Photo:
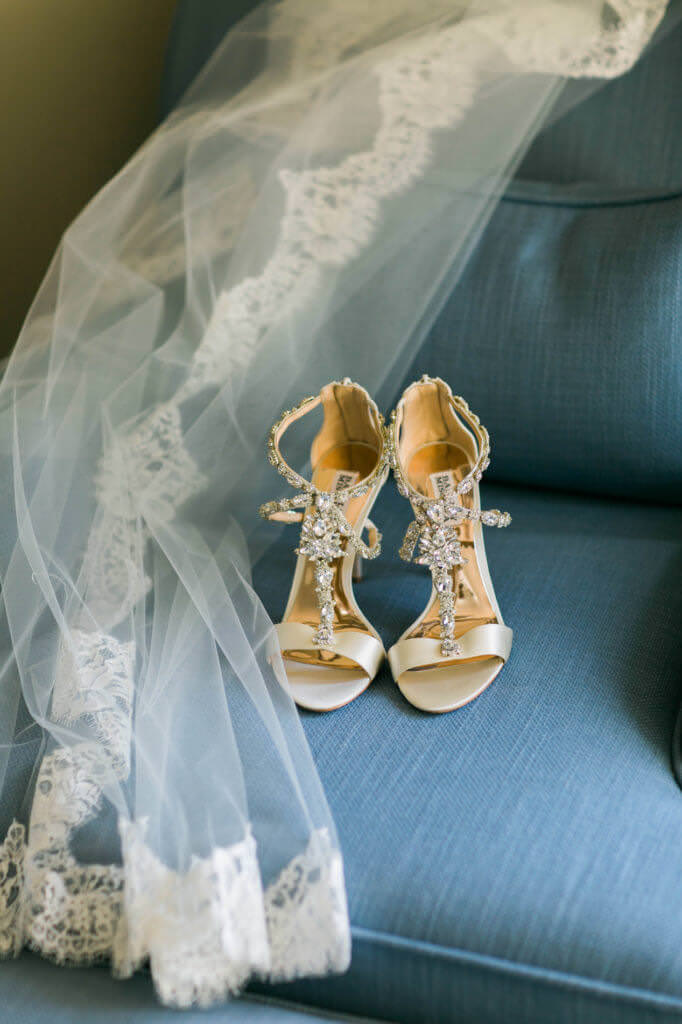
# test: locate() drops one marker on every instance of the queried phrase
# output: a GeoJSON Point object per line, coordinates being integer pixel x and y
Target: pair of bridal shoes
{"type": "Point", "coordinates": [438, 450]}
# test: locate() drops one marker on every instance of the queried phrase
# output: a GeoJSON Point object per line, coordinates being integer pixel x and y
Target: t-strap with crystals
{"type": "Point", "coordinates": [324, 530]}
{"type": "Point", "coordinates": [350, 464]}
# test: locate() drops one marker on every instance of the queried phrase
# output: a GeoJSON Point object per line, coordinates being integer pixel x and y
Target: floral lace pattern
{"type": "Point", "coordinates": [332, 213]}
{"type": "Point", "coordinates": [71, 910]}
{"type": "Point", "coordinates": [113, 569]}
{"type": "Point", "coordinates": [574, 41]}
{"type": "Point", "coordinates": [203, 931]}
{"type": "Point", "coordinates": [148, 471]}
{"type": "Point", "coordinates": [94, 683]}
{"type": "Point", "coordinates": [207, 931]}
{"type": "Point", "coordinates": [614, 35]}
{"type": "Point", "coordinates": [306, 913]}
{"type": "Point", "coordinates": [12, 853]}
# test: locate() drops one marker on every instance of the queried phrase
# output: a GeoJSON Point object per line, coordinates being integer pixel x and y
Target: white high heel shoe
{"type": "Point", "coordinates": [455, 649]}
{"type": "Point", "coordinates": [331, 651]}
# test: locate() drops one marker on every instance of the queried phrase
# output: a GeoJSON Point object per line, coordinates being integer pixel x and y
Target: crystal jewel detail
{"type": "Point", "coordinates": [433, 533]}
{"type": "Point", "coordinates": [326, 534]}
{"type": "Point", "coordinates": [322, 543]}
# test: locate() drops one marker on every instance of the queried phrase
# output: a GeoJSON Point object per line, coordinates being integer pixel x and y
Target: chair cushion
{"type": "Point", "coordinates": [33, 991]}
{"type": "Point", "coordinates": [627, 136]}
{"type": "Point", "coordinates": [523, 852]}
{"type": "Point", "coordinates": [564, 336]}
{"type": "Point", "coordinates": [564, 332]}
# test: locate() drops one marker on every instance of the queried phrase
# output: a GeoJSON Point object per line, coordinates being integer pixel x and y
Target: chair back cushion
{"type": "Point", "coordinates": [565, 331]}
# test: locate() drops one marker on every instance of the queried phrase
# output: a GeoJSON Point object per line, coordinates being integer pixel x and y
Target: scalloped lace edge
{"type": "Point", "coordinates": [205, 932]}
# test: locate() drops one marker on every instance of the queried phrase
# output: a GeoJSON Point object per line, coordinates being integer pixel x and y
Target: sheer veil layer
{"type": "Point", "coordinates": [322, 184]}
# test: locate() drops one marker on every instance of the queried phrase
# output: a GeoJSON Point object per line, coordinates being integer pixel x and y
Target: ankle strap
{"type": "Point", "coordinates": [275, 457]}
{"type": "Point", "coordinates": [328, 505]}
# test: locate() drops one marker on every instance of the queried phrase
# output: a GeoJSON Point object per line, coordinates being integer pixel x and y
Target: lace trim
{"type": "Point", "coordinates": [72, 910]}
{"type": "Point", "coordinates": [542, 35]}
{"type": "Point", "coordinates": [113, 569]}
{"type": "Point", "coordinates": [307, 916]}
{"type": "Point", "coordinates": [94, 683]}
{"type": "Point", "coordinates": [207, 931]}
{"type": "Point", "coordinates": [331, 213]}
{"type": "Point", "coordinates": [149, 471]}
{"type": "Point", "coordinates": [203, 931]}
{"type": "Point", "coordinates": [146, 473]}
{"type": "Point", "coordinates": [12, 853]}
{"type": "Point", "coordinates": [574, 41]}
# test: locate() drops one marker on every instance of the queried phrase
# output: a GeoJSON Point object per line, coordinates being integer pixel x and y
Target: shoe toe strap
{"type": "Point", "coordinates": [364, 649]}
{"type": "Point", "coordinates": [488, 641]}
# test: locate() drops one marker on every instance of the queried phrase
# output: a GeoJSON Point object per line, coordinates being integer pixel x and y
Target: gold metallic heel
{"type": "Point", "coordinates": [358, 568]}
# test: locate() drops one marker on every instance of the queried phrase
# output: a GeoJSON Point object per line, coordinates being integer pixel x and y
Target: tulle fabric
{"type": "Point", "coordinates": [298, 219]}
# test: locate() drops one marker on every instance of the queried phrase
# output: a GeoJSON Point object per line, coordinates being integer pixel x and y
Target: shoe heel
{"type": "Point", "coordinates": [358, 572]}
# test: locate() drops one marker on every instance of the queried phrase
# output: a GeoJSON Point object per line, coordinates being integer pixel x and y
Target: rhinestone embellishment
{"type": "Point", "coordinates": [326, 534]}
{"type": "Point", "coordinates": [321, 542]}
{"type": "Point", "coordinates": [320, 533]}
{"type": "Point", "coordinates": [433, 531]}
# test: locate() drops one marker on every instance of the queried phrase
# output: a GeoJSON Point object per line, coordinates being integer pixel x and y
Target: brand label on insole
{"type": "Point", "coordinates": [344, 478]}
{"type": "Point", "coordinates": [443, 483]}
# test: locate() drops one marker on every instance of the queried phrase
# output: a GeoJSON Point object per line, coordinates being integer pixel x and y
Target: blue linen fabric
{"type": "Point", "coordinates": [33, 991]}
{"type": "Point", "coordinates": [535, 835]}
{"type": "Point", "coordinates": [565, 335]}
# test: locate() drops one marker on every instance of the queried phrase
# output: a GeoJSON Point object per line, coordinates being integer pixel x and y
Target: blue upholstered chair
{"type": "Point", "coordinates": [521, 859]}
